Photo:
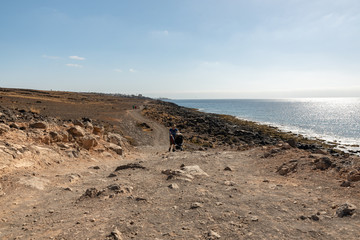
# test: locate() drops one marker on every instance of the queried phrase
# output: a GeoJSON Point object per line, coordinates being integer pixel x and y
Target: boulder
{"type": "Point", "coordinates": [88, 142]}
{"type": "Point", "coordinates": [114, 138]}
{"type": "Point", "coordinates": [288, 167]}
{"type": "Point", "coordinates": [115, 235]}
{"type": "Point", "coordinates": [354, 176]}
{"type": "Point", "coordinates": [54, 136]}
{"type": "Point", "coordinates": [78, 123]}
{"type": "Point", "coordinates": [98, 130]}
{"type": "Point", "coordinates": [115, 148]}
{"type": "Point", "coordinates": [292, 143]}
{"type": "Point", "coordinates": [64, 136]}
{"type": "Point", "coordinates": [4, 128]}
{"type": "Point", "coordinates": [346, 209]}
{"type": "Point", "coordinates": [194, 170]}
{"type": "Point", "coordinates": [322, 163]}
{"type": "Point", "coordinates": [41, 125]}
{"type": "Point", "coordinates": [88, 126]}
{"type": "Point", "coordinates": [76, 131]}
{"type": "Point", "coordinates": [14, 125]}
{"type": "Point", "coordinates": [186, 173]}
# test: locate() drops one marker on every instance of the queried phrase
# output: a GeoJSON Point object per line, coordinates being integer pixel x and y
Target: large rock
{"type": "Point", "coordinates": [354, 176]}
{"type": "Point", "coordinates": [115, 148]}
{"type": "Point", "coordinates": [4, 128]}
{"type": "Point", "coordinates": [76, 131]}
{"type": "Point", "coordinates": [88, 126]}
{"type": "Point", "coordinates": [288, 167]}
{"type": "Point", "coordinates": [41, 125]}
{"type": "Point", "coordinates": [78, 123]}
{"type": "Point", "coordinates": [115, 235]}
{"type": "Point", "coordinates": [346, 209]}
{"type": "Point", "coordinates": [322, 163]}
{"type": "Point", "coordinates": [88, 142]}
{"type": "Point", "coordinates": [186, 173]}
{"type": "Point", "coordinates": [194, 170]}
{"type": "Point", "coordinates": [98, 130]}
{"type": "Point", "coordinates": [115, 139]}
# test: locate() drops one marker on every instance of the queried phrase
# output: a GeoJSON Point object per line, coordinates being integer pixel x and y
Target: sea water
{"type": "Point", "coordinates": [331, 119]}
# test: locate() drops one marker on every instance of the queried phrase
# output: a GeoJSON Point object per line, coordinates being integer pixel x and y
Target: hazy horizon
{"type": "Point", "coordinates": [187, 49]}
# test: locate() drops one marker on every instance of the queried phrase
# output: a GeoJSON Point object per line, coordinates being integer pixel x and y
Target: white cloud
{"type": "Point", "coordinates": [77, 58]}
{"type": "Point", "coordinates": [162, 33]}
{"type": "Point", "coordinates": [50, 57]}
{"type": "Point", "coordinates": [118, 70]}
{"type": "Point", "coordinates": [74, 65]}
{"type": "Point", "coordinates": [132, 70]}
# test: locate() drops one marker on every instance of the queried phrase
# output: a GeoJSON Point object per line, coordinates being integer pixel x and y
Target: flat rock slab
{"type": "Point", "coordinates": [34, 182]}
{"type": "Point", "coordinates": [130, 165]}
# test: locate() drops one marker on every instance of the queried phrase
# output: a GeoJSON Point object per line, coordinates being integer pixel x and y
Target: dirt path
{"type": "Point", "coordinates": [157, 134]}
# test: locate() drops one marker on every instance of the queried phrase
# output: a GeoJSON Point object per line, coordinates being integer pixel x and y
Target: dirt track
{"type": "Point", "coordinates": [163, 196]}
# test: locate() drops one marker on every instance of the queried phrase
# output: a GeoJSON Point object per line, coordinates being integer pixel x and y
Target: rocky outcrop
{"type": "Point", "coordinates": [48, 140]}
{"type": "Point", "coordinates": [4, 128]}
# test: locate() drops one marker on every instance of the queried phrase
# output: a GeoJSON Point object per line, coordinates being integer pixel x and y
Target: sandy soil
{"type": "Point", "coordinates": [149, 193]}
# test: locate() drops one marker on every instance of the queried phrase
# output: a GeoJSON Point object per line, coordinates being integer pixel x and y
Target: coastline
{"type": "Point", "coordinates": [344, 143]}
{"type": "Point", "coordinates": [236, 133]}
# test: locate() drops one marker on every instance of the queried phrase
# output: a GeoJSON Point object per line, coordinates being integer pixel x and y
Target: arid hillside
{"type": "Point", "coordinates": [91, 166]}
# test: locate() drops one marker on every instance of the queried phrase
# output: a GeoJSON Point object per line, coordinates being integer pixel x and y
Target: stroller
{"type": "Point", "coordinates": [179, 139]}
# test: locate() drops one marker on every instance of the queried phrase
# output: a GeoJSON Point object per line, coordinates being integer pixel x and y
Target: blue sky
{"type": "Point", "coordinates": [183, 49]}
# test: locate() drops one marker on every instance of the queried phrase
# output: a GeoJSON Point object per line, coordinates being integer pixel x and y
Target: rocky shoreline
{"type": "Point", "coordinates": [209, 130]}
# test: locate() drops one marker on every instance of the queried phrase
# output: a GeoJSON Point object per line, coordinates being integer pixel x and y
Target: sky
{"type": "Point", "coordinates": [183, 49]}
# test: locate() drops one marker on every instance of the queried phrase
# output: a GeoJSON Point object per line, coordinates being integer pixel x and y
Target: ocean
{"type": "Point", "coordinates": [330, 119]}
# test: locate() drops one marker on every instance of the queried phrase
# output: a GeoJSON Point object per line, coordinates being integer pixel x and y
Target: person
{"type": "Point", "coordinates": [172, 133]}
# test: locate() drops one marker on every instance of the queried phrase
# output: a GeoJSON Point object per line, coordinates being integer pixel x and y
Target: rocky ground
{"type": "Point", "coordinates": [98, 169]}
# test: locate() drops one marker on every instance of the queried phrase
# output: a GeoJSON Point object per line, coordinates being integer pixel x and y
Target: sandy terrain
{"type": "Point", "coordinates": [265, 192]}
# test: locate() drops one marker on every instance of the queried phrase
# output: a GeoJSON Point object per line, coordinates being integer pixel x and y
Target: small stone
{"type": "Point", "coordinates": [51, 211]}
{"type": "Point", "coordinates": [112, 175]}
{"type": "Point", "coordinates": [315, 218]}
{"type": "Point", "coordinates": [303, 218]}
{"type": "Point", "coordinates": [266, 181]}
{"type": "Point", "coordinates": [92, 220]}
{"type": "Point", "coordinates": [227, 169]}
{"type": "Point", "coordinates": [229, 183]}
{"type": "Point", "coordinates": [196, 205]}
{"type": "Point", "coordinates": [173, 186]}
{"type": "Point", "coordinates": [213, 234]}
{"type": "Point", "coordinates": [254, 219]}
{"type": "Point", "coordinates": [345, 184]}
